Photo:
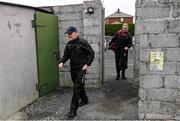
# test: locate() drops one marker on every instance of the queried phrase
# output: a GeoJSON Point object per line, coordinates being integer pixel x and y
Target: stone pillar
{"type": "Point", "coordinates": [90, 27]}
{"type": "Point", "coordinates": [158, 27]}
{"type": "Point", "coordinates": [93, 25]}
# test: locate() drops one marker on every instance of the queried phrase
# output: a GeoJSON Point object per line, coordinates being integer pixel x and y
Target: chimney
{"type": "Point", "coordinates": [118, 10]}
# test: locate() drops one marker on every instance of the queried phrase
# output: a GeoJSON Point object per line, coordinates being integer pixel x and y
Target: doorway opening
{"type": "Point", "coordinates": [122, 93]}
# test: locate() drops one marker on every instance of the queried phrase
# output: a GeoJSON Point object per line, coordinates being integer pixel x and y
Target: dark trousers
{"type": "Point", "coordinates": [78, 89]}
{"type": "Point", "coordinates": [121, 57]}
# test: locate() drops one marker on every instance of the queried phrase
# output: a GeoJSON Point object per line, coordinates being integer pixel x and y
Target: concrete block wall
{"type": "Point", "coordinates": [69, 15]}
{"type": "Point", "coordinates": [91, 28]}
{"type": "Point", "coordinates": [158, 27]}
{"type": "Point", "coordinates": [18, 62]}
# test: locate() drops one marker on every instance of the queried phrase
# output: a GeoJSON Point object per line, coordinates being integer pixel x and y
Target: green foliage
{"type": "Point", "coordinates": [111, 29]}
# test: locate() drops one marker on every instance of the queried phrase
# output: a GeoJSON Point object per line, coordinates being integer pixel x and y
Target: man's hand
{"type": "Point", "coordinates": [85, 67]}
{"type": "Point", "coordinates": [126, 48]}
{"type": "Point", "coordinates": [61, 65]}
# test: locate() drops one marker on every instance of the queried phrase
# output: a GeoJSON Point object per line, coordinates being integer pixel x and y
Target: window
{"type": "Point", "coordinates": [122, 19]}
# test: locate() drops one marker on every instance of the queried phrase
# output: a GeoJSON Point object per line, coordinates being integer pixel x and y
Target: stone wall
{"type": "Point", "coordinates": [91, 28]}
{"type": "Point", "coordinates": [158, 27]}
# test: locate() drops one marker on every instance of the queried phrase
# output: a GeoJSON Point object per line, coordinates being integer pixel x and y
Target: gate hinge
{"type": "Point", "coordinates": [33, 23]}
{"type": "Point", "coordinates": [40, 85]}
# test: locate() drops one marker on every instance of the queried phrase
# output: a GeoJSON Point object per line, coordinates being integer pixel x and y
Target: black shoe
{"type": "Point", "coordinates": [82, 103]}
{"type": "Point", "coordinates": [71, 115]}
{"type": "Point", "coordinates": [123, 77]}
{"type": "Point", "coordinates": [118, 76]}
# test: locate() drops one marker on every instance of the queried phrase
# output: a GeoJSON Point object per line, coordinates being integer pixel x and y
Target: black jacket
{"type": "Point", "coordinates": [120, 53]}
{"type": "Point", "coordinates": [79, 52]}
{"type": "Point", "coordinates": [123, 41]}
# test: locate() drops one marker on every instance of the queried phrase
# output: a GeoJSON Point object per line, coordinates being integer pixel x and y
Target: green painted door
{"type": "Point", "coordinates": [47, 41]}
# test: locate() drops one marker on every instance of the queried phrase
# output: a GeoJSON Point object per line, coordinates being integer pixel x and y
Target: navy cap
{"type": "Point", "coordinates": [70, 30]}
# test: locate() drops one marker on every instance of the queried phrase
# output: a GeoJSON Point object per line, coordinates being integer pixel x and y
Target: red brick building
{"type": "Point", "coordinates": [119, 17]}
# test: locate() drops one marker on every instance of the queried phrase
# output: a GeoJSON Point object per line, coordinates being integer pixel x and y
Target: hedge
{"type": "Point", "coordinates": [111, 29]}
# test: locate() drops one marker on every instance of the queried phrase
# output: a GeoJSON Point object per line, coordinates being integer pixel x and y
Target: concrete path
{"type": "Point", "coordinates": [117, 99]}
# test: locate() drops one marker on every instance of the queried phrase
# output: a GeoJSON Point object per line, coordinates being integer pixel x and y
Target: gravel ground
{"type": "Point", "coordinates": [116, 100]}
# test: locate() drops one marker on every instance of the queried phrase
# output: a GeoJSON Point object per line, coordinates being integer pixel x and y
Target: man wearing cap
{"type": "Point", "coordinates": [81, 55]}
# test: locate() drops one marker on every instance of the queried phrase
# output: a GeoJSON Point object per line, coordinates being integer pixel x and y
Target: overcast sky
{"type": "Point", "coordinates": [126, 6]}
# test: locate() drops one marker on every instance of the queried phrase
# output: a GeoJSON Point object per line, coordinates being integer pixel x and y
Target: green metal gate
{"type": "Point", "coordinates": [47, 42]}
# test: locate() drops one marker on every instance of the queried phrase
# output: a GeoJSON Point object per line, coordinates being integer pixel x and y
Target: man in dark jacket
{"type": "Point", "coordinates": [81, 55]}
{"type": "Point", "coordinates": [122, 42]}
